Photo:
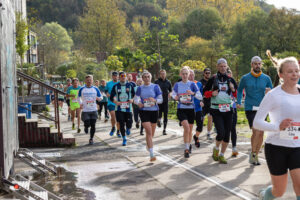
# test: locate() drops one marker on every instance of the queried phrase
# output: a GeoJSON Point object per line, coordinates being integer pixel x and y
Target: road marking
{"type": "Point", "coordinates": [235, 191]}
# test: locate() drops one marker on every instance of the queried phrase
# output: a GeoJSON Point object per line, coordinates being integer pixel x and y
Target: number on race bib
{"type": "Point", "coordinates": [224, 107]}
{"type": "Point", "coordinates": [124, 105]}
{"type": "Point", "coordinates": [291, 133]}
{"type": "Point", "coordinates": [185, 98]}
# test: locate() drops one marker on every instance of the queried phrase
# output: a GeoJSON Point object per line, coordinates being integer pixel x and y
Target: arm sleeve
{"type": "Point", "coordinates": [240, 91]}
{"type": "Point", "coordinates": [80, 92]}
{"type": "Point", "coordinates": [159, 98]}
{"type": "Point", "coordinates": [112, 94]}
{"type": "Point", "coordinates": [264, 109]}
{"type": "Point", "coordinates": [175, 91]}
{"type": "Point", "coordinates": [170, 87]}
{"type": "Point", "coordinates": [195, 89]}
{"type": "Point", "coordinates": [137, 97]}
{"type": "Point", "coordinates": [207, 89]}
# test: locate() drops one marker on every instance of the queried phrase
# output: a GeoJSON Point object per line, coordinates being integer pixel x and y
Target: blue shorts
{"type": "Point", "coordinates": [111, 107]}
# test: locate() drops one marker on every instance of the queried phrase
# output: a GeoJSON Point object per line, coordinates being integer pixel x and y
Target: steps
{"type": "Point", "coordinates": [35, 134]}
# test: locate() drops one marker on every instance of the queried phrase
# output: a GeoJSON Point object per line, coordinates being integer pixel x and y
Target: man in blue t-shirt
{"type": "Point", "coordinates": [256, 85]}
{"type": "Point", "coordinates": [110, 105]}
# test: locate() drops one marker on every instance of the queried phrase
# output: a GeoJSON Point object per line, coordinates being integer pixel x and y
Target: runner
{"type": "Point", "coordinates": [69, 83]}
{"type": "Point", "coordinates": [219, 88]}
{"type": "Point", "coordinates": [72, 95]}
{"type": "Point", "coordinates": [256, 85]}
{"type": "Point", "coordinates": [147, 97]}
{"type": "Point", "coordinates": [185, 91]}
{"type": "Point", "coordinates": [235, 153]}
{"type": "Point", "coordinates": [198, 110]}
{"type": "Point", "coordinates": [206, 101]}
{"type": "Point", "coordinates": [103, 102]}
{"type": "Point", "coordinates": [139, 82]}
{"type": "Point", "coordinates": [89, 95]}
{"type": "Point", "coordinates": [282, 146]}
{"type": "Point", "coordinates": [110, 105]}
{"type": "Point", "coordinates": [122, 95]}
{"type": "Point", "coordinates": [135, 107]}
{"type": "Point", "coordinates": [166, 87]}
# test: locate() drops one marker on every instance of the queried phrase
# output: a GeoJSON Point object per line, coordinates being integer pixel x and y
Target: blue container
{"type": "Point", "coordinates": [23, 110]}
{"type": "Point", "coordinates": [48, 99]}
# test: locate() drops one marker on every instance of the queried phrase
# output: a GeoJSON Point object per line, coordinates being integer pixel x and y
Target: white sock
{"type": "Point", "coordinates": [187, 146]}
{"type": "Point", "coordinates": [234, 149]}
{"type": "Point", "coordinates": [151, 152]}
{"type": "Point", "coordinates": [208, 132]}
{"type": "Point", "coordinates": [217, 148]}
{"type": "Point", "coordinates": [221, 154]}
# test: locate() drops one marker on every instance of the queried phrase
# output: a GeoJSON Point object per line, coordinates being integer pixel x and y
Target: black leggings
{"type": "Point", "coordinates": [124, 118]}
{"type": "Point", "coordinates": [101, 105]}
{"type": "Point", "coordinates": [223, 122]}
{"type": "Point", "coordinates": [163, 108]}
{"type": "Point", "coordinates": [91, 123]}
{"type": "Point", "coordinates": [136, 113]}
{"type": "Point", "coordinates": [233, 128]}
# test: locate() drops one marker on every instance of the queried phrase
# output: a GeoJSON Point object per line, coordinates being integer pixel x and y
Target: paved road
{"type": "Point", "coordinates": [107, 170]}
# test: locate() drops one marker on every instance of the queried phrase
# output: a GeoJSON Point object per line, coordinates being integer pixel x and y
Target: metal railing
{"type": "Point", "coordinates": [56, 92]}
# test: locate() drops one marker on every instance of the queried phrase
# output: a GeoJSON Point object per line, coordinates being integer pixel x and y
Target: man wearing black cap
{"type": "Point", "coordinates": [111, 106]}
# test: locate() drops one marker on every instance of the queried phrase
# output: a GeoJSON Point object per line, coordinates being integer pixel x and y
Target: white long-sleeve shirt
{"type": "Point", "coordinates": [279, 105]}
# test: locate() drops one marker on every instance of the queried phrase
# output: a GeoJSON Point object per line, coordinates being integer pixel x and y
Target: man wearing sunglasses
{"type": "Point", "coordinates": [122, 95]}
{"type": "Point", "coordinates": [206, 101]}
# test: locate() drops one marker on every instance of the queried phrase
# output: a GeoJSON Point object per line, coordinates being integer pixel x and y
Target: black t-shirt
{"type": "Point", "coordinates": [165, 86]}
{"type": "Point", "coordinates": [206, 101]}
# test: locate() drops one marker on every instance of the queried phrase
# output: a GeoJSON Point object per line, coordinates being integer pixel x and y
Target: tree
{"type": "Point", "coordinates": [56, 44]}
{"type": "Point", "coordinates": [113, 63]}
{"type": "Point", "coordinates": [102, 26]}
{"type": "Point", "coordinates": [203, 23]}
{"type": "Point", "coordinates": [195, 64]}
{"type": "Point", "coordinates": [71, 73]}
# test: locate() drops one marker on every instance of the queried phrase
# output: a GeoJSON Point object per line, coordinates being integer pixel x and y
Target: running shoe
{"type": "Point", "coordinates": [112, 131]}
{"type": "Point", "coordinates": [78, 130]}
{"type": "Point", "coordinates": [152, 159]}
{"type": "Point", "coordinates": [222, 160]}
{"type": "Point", "coordinates": [164, 132]}
{"type": "Point", "coordinates": [190, 149]}
{"type": "Point", "coordinates": [235, 153]}
{"type": "Point", "coordinates": [256, 160]}
{"type": "Point", "coordinates": [208, 137]}
{"type": "Point", "coordinates": [215, 155]}
{"type": "Point", "coordinates": [118, 134]}
{"type": "Point", "coordinates": [137, 125]}
{"type": "Point", "coordinates": [159, 123]}
{"type": "Point", "coordinates": [124, 141]}
{"type": "Point", "coordinates": [252, 158]}
{"type": "Point", "coordinates": [141, 133]}
{"type": "Point", "coordinates": [186, 153]}
{"type": "Point", "coordinates": [197, 143]}
{"type": "Point", "coordinates": [261, 195]}
{"type": "Point", "coordinates": [86, 130]}
{"type": "Point", "coordinates": [106, 119]}
{"type": "Point", "coordinates": [73, 126]}
{"type": "Point", "coordinates": [91, 142]}
{"type": "Point", "coordinates": [128, 131]}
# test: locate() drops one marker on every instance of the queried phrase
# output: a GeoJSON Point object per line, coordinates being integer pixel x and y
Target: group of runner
{"type": "Point", "coordinates": [218, 96]}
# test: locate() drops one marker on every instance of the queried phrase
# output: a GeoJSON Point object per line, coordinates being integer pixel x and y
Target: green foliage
{"type": "Point", "coordinates": [113, 63]}
{"type": "Point", "coordinates": [21, 36]}
{"type": "Point", "coordinates": [203, 23]}
{"type": "Point", "coordinates": [31, 70]}
{"type": "Point", "coordinates": [71, 73]}
{"type": "Point", "coordinates": [195, 64]}
{"type": "Point", "coordinates": [62, 70]}
{"type": "Point", "coordinates": [56, 45]}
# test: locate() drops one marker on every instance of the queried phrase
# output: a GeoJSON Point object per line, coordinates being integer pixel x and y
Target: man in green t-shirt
{"type": "Point", "coordinates": [72, 93]}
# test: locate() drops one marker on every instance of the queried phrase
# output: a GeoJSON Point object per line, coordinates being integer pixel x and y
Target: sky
{"type": "Point", "coordinates": [285, 3]}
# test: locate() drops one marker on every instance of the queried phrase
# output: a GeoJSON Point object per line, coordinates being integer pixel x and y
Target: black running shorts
{"type": "Point", "coordinates": [250, 114]}
{"type": "Point", "coordinates": [186, 114]}
{"type": "Point", "coordinates": [148, 116]}
{"type": "Point", "coordinates": [280, 159]}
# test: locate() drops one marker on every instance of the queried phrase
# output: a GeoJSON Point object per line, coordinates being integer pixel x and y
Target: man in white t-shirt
{"type": "Point", "coordinates": [89, 94]}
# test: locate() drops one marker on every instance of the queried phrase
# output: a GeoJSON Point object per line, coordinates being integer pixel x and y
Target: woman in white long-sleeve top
{"type": "Point", "coordinates": [184, 92]}
{"type": "Point", "coordinates": [147, 97]}
{"type": "Point", "coordinates": [282, 146]}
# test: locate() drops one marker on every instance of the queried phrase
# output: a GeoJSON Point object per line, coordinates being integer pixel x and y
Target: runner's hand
{"type": "Point", "coordinates": [130, 101]}
{"type": "Point", "coordinates": [141, 105]}
{"type": "Point", "coordinates": [152, 99]}
{"type": "Point", "coordinates": [81, 106]}
{"type": "Point", "coordinates": [201, 104]}
{"type": "Point", "coordinates": [117, 103]}
{"type": "Point", "coordinates": [231, 87]}
{"type": "Point", "coordinates": [215, 93]}
{"type": "Point", "coordinates": [238, 106]}
{"type": "Point", "coordinates": [285, 124]}
{"type": "Point", "coordinates": [267, 90]}
{"type": "Point", "coordinates": [176, 98]}
{"type": "Point", "coordinates": [189, 92]}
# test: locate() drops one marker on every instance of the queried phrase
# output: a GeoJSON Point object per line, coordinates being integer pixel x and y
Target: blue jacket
{"type": "Point", "coordinates": [254, 88]}
{"type": "Point", "coordinates": [196, 101]}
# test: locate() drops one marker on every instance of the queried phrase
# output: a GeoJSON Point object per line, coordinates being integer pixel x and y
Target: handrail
{"type": "Point", "coordinates": [37, 113]}
{"type": "Point", "coordinates": [25, 76]}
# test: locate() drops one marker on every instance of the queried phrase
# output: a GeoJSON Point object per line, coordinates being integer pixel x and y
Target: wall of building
{"type": "Point", "coordinates": [8, 93]}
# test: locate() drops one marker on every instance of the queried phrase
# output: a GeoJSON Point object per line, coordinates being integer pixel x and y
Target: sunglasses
{"type": "Point", "coordinates": [123, 75]}
{"type": "Point", "coordinates": [207, 72]}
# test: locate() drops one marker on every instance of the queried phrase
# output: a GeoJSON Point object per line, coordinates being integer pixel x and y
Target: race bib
{"type": "Point", "coordinates": [75, 100]}
{"type": "Point", "coordinates": [90, 104]}
{"type": "Point", "coordinates": [124, 105]}
{"type": "Point", "coordinates": [185, 98]}
{"type": "Point", "coordinates": [148, 103]}
{"type": "Point", "coordinates": [255, 108]}
{"type": "Point", "coordinates": [224, 107]}
{"type": "Point", "coordinates": [291, 133]}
